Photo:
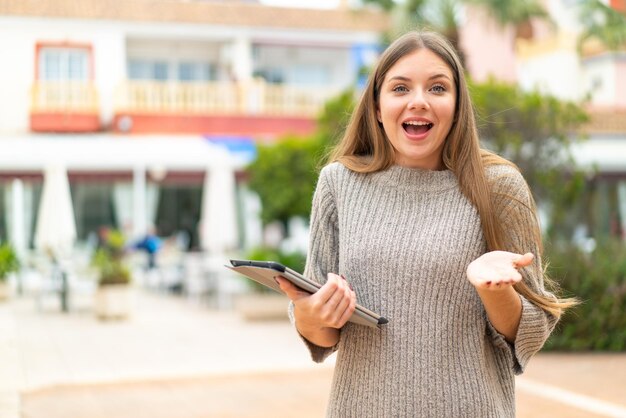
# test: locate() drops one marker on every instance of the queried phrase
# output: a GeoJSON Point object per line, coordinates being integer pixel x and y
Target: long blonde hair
{"type": "Point", "coordinates": [364, 148]}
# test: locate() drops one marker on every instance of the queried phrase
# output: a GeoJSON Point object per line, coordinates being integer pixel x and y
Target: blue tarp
{"type": "Point", "coordinates": [240, 146]}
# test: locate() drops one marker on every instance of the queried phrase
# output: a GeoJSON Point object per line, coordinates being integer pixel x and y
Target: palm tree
{"type": "Point", "coordinates": [444, 15]}
{"type": "Point", "coordinates": [518, 13]}
{"type": "Point", "coordinates": [602, 23]}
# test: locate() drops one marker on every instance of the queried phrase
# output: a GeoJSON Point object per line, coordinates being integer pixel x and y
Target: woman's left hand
{"type": "Point", "coordinates": [497, 270]}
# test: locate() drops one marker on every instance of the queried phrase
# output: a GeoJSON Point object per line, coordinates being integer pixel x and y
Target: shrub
{"type": "Point", "coordinates": [111, 269]}
{"type": "Point", "coordinates": [8, 261]}
{"type": "Point", "coordinates": [598, 279]}
{"type": "Point", "coordinates": [294, 261]}
{"type": "Point", "coordinates": [109, 260]}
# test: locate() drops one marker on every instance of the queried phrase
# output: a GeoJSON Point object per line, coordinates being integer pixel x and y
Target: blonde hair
{"type": "Point", "coordinates": [364, 148]}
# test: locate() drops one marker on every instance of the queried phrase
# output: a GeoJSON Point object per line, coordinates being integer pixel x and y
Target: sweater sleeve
{"type": "Point", "coordinates": [514, 207]}
{"type": "Point", "coordinates": [323, 253]}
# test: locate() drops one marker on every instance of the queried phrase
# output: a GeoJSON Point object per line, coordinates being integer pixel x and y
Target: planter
{"type": "Point", "coordinates": [114, 301]}
{"type": "Point", "coordinates": [262, 306]}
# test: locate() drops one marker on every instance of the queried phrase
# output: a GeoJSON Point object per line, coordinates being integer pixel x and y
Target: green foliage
{"type": "Point", "coordinates": [444, 15]}
{"type": "Point", "coordinates": [111, 269]}
{"type": "Point", "coordinates": [603, 23]}
{"type": "Point", "coordinates": [599, 281]}
{"type": "Point", "coordinates": [109, 260]}
{"type": "Point", "coordinates": [8, 261]}
{"type": "Point", "coordinates": [334, 118]}
{"type": "Point", "coordinates": [116, 240]}
{"type": "Point", "coordinates": [441, 16]}
{"type": "Point", "coordinates": [386, 5]}
{"type": "Point", "coordinates": [294, 260]}
{"type": "Point", "coordinates": [285, 173]}
{"type": "Point", "coordinates": [515, 12]}
{"type": "Point", "coordinates": [535, 132]}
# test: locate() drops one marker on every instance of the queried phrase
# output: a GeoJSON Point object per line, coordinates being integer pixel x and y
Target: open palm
{"type": "Point", "coordinates": [497, 270]}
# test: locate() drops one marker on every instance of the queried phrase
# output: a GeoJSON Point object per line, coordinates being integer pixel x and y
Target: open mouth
{"type": "Point", "coordinates": [414, 127]}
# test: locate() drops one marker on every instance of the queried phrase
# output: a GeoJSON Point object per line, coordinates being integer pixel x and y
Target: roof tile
{"type": "Point", "coordinates": [235, 13]}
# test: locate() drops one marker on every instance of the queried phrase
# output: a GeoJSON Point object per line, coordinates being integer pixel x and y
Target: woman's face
{"type": "Point", "coordinates": [416, 108]}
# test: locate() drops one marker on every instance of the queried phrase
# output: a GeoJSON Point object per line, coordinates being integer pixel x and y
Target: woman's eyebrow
{"type": "Point", "coordinates": [439, 75]}
{"type": "Point", "coordinates": [399, 78]}
{"type": "Point", "coordinates": [432, 77]}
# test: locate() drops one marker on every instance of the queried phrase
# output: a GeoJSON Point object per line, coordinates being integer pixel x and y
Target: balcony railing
{"type": "Point", "coordinates": [253, 98]}
{"type": "Point", "coordinates": [64, 97]}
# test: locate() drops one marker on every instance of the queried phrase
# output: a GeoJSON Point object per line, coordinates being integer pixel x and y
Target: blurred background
{"type": "Point", "coordinates": [146, 142]}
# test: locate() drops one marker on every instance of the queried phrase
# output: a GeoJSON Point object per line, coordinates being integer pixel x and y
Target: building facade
{"type": "Point", "coordinates": [159, 80]}
{"type": "Point", "coordinates": [168, 75]}
{"type": "Point", "coordinates": [554, 61]}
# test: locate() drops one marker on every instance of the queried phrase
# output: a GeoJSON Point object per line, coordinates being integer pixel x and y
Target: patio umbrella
{"type": "Point", "coordinates": [55, 232]}
{"type": "Point", "coordinates": [17, 232]}
{"type": "Point", "coordinates": [218, 220]}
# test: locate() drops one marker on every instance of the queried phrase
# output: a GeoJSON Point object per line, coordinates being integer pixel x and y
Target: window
{"type": "Point", "coordinates": [311, 75]}
{"type": "Point", "coordinates": [271, 75]}
{"type": "Point", "coordinates": [148, 70]}
{"type": "Point", "coordinates": [196, 71]}
{"type": "Point", "coordinates": [57, 63]}
{"type": "Point", "coordinates": [161, 70]}
{"type": "Point", "coordinates": [93, 207]}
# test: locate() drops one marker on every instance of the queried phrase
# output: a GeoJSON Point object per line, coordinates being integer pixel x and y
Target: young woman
{"type": "Point", "coordinates": [441, 237]}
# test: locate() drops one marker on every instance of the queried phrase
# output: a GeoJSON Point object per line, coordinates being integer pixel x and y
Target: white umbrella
{"type": "Point", "coordinates": [218, 232]}
{"type": "Point", "coordinates": [17, 235]}
{"type": "Point", "coordinates": [56, 229]}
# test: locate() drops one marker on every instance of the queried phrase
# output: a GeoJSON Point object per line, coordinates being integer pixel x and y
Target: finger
{"type": "Point", "coordinates": [328, 289]}
{"type": "Point", "coordinates": [517, 277]}
{"type": "Point", "coordinates": [512, 278]}
{"type": "Point", "coordinates": [338, 296]}
{"type": "Point", "coordinates": [524, 260]}
{"type": "Point", "coordinates": [343, 304]}
{"type": "Point", "coordinates": [292, 291]}
{"type": "Point", "coordinates": [348, 300]}
{"type": "Point", "coordinates": [347, 314]}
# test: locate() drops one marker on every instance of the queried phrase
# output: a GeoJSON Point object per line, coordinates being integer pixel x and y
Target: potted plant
{"type": "Point", "coordinates": [113, 298]}
{"type": "Point", "coordinates": [9, 263]}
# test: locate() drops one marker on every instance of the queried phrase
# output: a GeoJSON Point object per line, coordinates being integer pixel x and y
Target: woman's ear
{"type": "Point", "coordinates": [380, 120]}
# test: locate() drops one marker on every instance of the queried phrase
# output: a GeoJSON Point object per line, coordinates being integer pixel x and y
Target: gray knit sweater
{"type": "Point", "coordinates": [404, 238]}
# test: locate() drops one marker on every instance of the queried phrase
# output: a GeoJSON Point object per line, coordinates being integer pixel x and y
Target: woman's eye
{"type": "Point", "coordinates": [438, 88]}
{"type": "Point", "coordinates": [400, 89]}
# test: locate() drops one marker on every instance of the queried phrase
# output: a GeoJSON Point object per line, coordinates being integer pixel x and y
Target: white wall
{"type": "Point", "coordinates": [110, 68]}
{"type": "Point", "coordinates": [16, 74]}
{"type": "Point", "coordinates": [19, 35]}
{"type": "Point", "coordinates": [557, 73]}
{"type": "Point", "coordinates": [599, 80]}
{"type": "Point", "coordinates": [18, 39]}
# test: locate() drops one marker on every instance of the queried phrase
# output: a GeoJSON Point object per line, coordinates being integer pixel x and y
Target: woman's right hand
{"type": "Point", "coordinates": [321, 314]}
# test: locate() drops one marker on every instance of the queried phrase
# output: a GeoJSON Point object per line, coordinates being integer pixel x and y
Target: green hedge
{"type": "Point", "coordinates": [293, 260]}
{"type": "Point", "coordinates": [598, 280]}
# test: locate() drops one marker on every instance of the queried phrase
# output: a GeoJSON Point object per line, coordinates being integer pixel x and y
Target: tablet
{"type": "Point", "coordinates": [264, 273]}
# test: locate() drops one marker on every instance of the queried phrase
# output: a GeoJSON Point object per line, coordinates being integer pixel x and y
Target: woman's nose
{"type": "Point", "coordinates": [418, 101]}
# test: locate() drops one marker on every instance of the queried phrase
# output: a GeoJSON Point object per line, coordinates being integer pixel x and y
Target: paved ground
{"type": "Point", "coordinates": [176, 359]}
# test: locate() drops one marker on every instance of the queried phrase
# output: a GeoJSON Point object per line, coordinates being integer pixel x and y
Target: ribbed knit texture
{"type": "Point", "coordinates": [404, 238]}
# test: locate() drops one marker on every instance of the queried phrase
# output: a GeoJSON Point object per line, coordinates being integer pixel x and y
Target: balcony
{"type": "Point", "coordinates": [64, 106]}
{"type": "Point", "coordinates": [253, 108]}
